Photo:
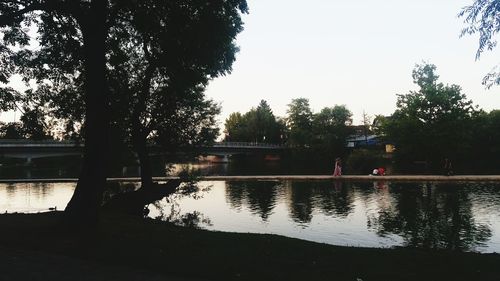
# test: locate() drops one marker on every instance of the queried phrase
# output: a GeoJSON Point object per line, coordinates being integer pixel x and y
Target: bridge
{"type": "Point", "coordinates": [29, 149]}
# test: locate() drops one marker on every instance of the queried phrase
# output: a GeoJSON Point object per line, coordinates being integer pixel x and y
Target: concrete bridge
{"type": "Point", "coordinates": [28, 149]}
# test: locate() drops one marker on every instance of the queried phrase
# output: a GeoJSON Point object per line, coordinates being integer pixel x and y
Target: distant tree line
{"type": "Point", "coordinates": [431, 124]}
{"type": "Point", "coordinates": [301, 128]}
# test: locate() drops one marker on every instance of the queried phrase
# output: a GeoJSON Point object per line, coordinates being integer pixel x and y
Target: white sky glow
{"type": "Point", "coordinates": [358, 53]}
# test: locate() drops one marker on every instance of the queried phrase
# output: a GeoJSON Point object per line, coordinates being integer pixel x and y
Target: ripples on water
{"type": "Point", "coordinates": [463, 217]}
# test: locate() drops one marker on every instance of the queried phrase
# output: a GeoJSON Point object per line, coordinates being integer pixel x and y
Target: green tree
{"type": "Point", "coordinates": [485, 151]}
{"type": "Point", "coordinates": [234, 127]}
{"type": "Point", "coordinates": [77, 39]}
{"type": "Point", "coordinates": [331, 128]}
{"type": "Point", "coordinates": [299, 121]}
{"type": "Point", "coordinates": [431, 123]}
{"type": "Point", "coordinates": [483, 17]}
{"type": "Point", "coordinates": [257, 125]}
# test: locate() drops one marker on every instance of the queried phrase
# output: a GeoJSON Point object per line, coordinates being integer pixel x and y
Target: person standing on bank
{"type": "Point", "coordinates": [448, 168]}
{"type": "Point", "coordinates": [338, 167]}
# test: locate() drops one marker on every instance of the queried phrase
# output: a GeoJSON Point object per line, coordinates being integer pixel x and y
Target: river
{"type": "Point", "coordinates": [463, 217]}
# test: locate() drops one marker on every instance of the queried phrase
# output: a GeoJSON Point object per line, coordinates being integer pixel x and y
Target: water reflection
{"type": "Point", "coordinates": [336, 199]}
{"type": "Point", "coordinates": [432, 216]}
{"type": "Point", "coordinates": [446, 216]}
{"type": "Point", "coordinates": [258, 196]}
{"type": "Point", "coordinates": [34, 197]}
{"type": "Point", "coordinates": [368, 214]}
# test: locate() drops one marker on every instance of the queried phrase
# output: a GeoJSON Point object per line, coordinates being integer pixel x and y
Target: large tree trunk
{"type": "Point", "coordinates": [83, 208]}
{"type": "Point", "coordinates": [135, 203]}
{"type": "Point", "coordinates": [140, 146]}
{"type": "Point", "coordinates": [139, 130]}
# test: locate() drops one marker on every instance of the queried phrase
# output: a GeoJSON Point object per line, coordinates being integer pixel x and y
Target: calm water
{"type": "Point", "coordinates": [454, 216]}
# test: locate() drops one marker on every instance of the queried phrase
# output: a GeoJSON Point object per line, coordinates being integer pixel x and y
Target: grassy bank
{"type": "Point", "coordinates": [154, 250]}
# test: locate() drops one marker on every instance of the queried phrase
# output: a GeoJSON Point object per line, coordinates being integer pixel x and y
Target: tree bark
{"type": "Point", "coordinates": [140, 146]}
{"type": "Point", "coordinates": [139, 131]}
{"type": "Point", "coordinates": [83, 208]}
{"type": "Point", "coordinates": [134, 203]}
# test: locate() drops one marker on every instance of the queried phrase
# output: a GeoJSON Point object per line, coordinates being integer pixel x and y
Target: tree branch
{"type": "Point", "coordinates": [74, 9]}
{"type": "Point", "coordinates": [14, 17]}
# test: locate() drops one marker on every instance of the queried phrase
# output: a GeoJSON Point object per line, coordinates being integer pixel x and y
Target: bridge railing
{"type": "Point", "coordinates": [55, 143]}
{"type": "Point", "coordinates": [234, 144]}
{"type": "Point", "coordinates": [37, 143]}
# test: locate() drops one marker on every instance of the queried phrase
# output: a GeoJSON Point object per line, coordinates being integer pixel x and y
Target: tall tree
{"type": "Point", "coordinates": [299, 120]}
{"type": "Point", "coordinates": [76, 39]}
{"type": "Point", "coordinates": [433, 122]}
{"type": "Point", "coordinates": [92, 21]}
{"type": "Point", "coordinates": [165, 72]}
{"type": "Point", "coordinates": [483, 17]}
{"type": "Point", "coordinates": [257, 125]}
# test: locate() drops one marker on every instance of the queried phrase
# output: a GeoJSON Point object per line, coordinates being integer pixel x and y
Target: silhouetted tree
{"type": "Point", "coordinates": [431, 123]}
{"type": "Point", "coordinates": [299, 121]}
{"type": "Point", "coordinates": [33, 125]}
{"type": "Point", "coordinates": [485, 151]}
{"type": "Point", "coordinates": [165, 73]}
{"type": "Point", "coordinates": [88, 21]}
{"type": "Point", "coordinates": [257, 125]}
{"type": "Point", "coordinates": [11, 130]}
{"type": "Point", "coordinates": [76, 40]}
{"type": "Point", "coordinates": [330, 129]}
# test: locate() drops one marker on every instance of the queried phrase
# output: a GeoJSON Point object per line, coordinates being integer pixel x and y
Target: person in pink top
{"type": "Point", "coordinates": [338, 168]}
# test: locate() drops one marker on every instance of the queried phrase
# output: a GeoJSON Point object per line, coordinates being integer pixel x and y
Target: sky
{"type": "Point", "coordinates": [356, 53]}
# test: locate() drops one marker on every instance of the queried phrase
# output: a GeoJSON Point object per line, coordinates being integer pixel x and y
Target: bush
{"type": "Point", "coordinates": [363, 161]}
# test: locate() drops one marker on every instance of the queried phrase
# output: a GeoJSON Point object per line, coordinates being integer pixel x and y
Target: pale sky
{"type": "Point", "coordinates": [358, 53]}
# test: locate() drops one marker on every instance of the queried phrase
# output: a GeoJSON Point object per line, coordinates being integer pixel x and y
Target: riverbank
{"type": "Point", "coordinates": [349, 178]}
{"type": "Point", "coordinates": [124, 248]}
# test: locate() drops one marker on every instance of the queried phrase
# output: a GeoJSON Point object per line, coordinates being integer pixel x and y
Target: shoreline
{"type": "Point", "coordinates": [153, 249]}
{"type": "Point", "coordinates": [347, 178]}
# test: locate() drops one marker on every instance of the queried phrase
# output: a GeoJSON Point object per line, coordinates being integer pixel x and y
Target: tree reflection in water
{"type": "Point", "coordinates": [258, 196]}
{"type": "Point", "coordinates": [301, 201]}
{"type": "Point", "coordinates": [169, 208]}
{"type": "Point", "coordinates": [431, 216]}
{"type": "Point", "coordinates": [434, 216]}
{"type": "Point", "coordinates": [302, 198]}
{"type": "Point", "coordinates": [334, 199]}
